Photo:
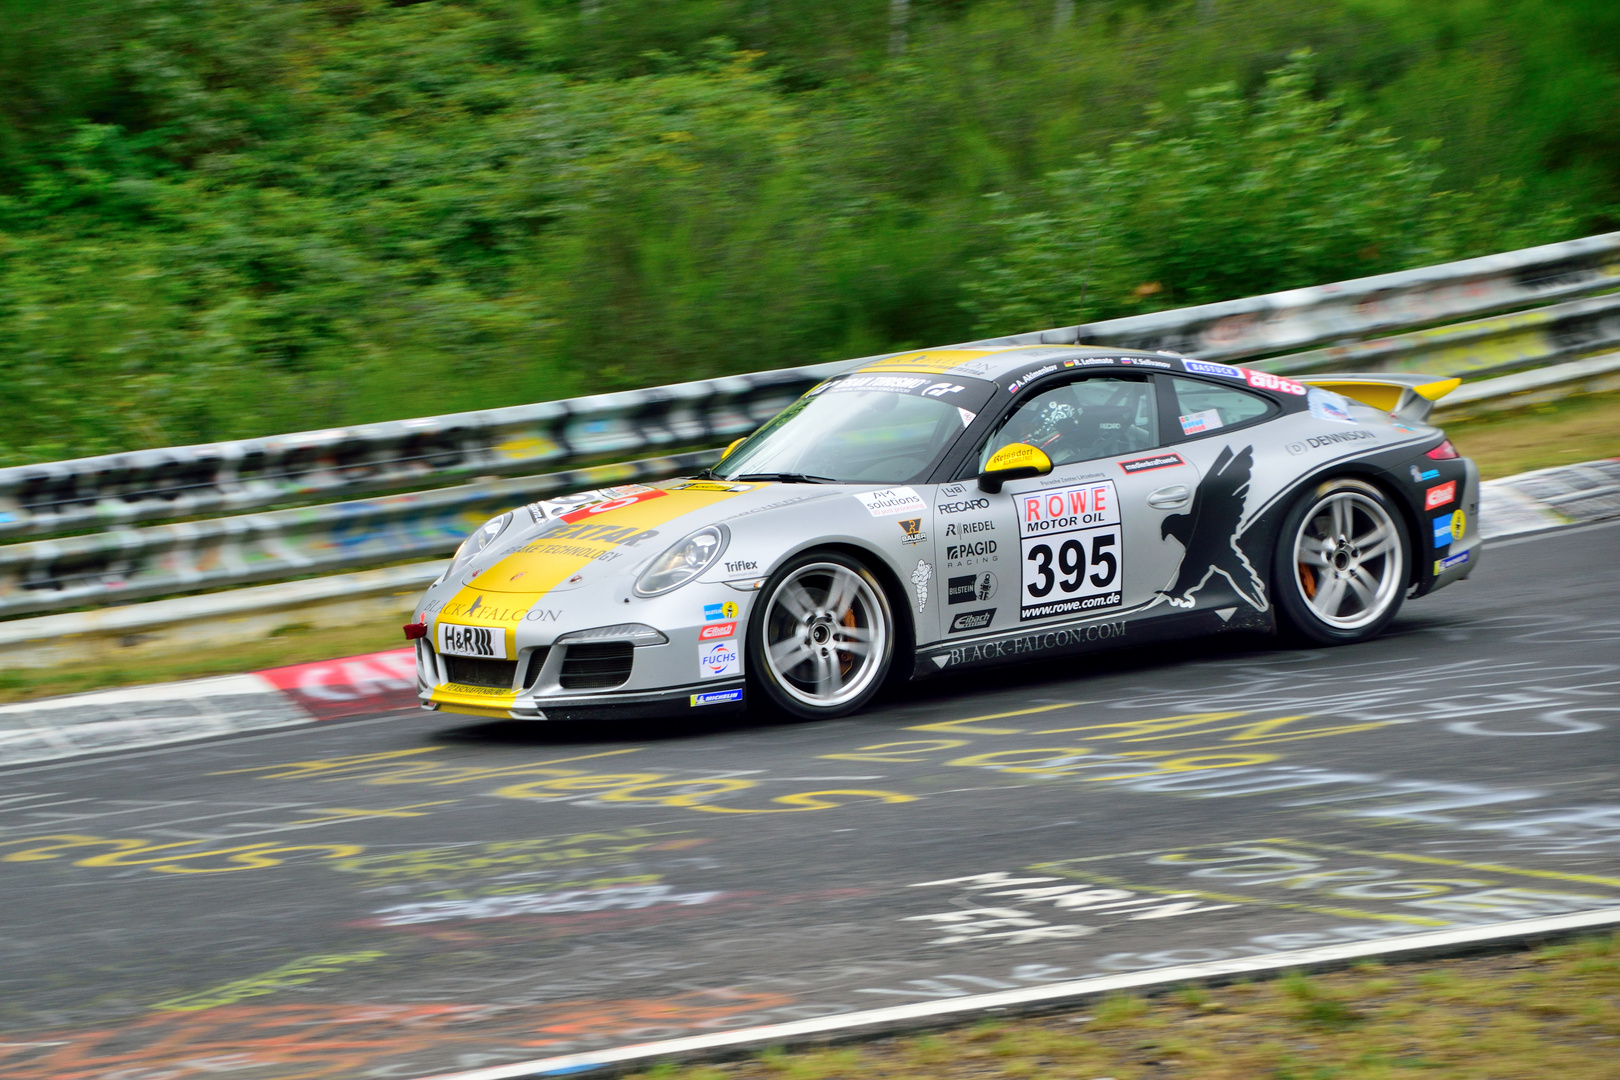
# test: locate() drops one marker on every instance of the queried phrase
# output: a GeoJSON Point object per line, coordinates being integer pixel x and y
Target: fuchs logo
{"type": "Point", "coordinates": [721, 658]}
{"type": "Point", "coordinates": [972, 620]}
{"type": "Point", "coordinates": [1265, 380]}
{"type": "Point", "coordinates": [964, 551]}
{"type": "Point", "coordinates": [1204, 367]}
{"type": "Point", "coordinates": [1318, 441]}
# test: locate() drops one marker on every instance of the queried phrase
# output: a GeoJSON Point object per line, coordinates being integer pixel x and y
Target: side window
{"type": "Point", "coordinates": [1204, 407]}
{"type": "Point", "coordinates": [1084, 419]}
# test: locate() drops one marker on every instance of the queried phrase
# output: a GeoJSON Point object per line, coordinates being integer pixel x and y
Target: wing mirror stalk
{"type": "Point", "coordinates": [1015, 461]}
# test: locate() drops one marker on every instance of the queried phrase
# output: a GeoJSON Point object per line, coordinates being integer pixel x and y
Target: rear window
{"type": "Point", "coordinates": [1205, 407]}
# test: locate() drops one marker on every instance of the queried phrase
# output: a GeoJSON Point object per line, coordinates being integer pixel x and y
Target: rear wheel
{"type": "Point", "coordinates": [822, 638]}
{"type": "Point", "coordinates": [1341, 567]}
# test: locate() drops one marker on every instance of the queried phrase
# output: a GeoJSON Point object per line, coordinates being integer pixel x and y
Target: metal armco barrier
{"type": "Point", "coordinates": [116, 492]}
{"type": "Point", "coordinates": [129, 563]}
{"type": "Point", "coordinates": [1350, 310]}
{"type": "Point", "coordinates": [190, 481]}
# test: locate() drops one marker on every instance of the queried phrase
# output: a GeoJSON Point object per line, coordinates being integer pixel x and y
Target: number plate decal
{"type": "Point", "coordinates": [1073, 550]}
{"type": "Point", "coordinates": [485, 641]}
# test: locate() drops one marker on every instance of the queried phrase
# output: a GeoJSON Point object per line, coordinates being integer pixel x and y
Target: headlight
{"type": "Point", "coordinates": [485, 535]}
{"type": "Point", "coordinates": [683, 562]}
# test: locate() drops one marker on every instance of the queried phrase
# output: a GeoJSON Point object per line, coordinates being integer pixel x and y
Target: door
{"type": "Point", "coordinates": [1089, 538]}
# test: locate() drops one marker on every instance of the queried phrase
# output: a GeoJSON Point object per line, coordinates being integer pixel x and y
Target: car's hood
{"type": "Point", "coordinates": [572, 547]}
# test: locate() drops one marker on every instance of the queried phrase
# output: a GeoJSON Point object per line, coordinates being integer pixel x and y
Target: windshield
{"type": "Point", "coordinates": [862, 428]}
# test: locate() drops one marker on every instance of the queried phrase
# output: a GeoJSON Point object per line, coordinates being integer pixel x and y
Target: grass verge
{"type": "Point", "coordinates": [292, 644]}
{"type": "Point", "coordinates": [1526, 1014]}
{"type": "Point", "coordinates": [1582, 428]}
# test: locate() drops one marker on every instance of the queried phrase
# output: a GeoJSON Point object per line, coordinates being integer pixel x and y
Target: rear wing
{"type": "Point", "coordinates": [1406, 397]}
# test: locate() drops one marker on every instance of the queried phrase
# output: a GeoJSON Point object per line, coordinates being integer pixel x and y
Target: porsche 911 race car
{"type": "Point", "coordinates": [937, 510]}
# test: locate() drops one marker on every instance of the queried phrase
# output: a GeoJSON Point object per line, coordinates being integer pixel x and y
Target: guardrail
{"type": "Point", "coordinates": [116, 492]}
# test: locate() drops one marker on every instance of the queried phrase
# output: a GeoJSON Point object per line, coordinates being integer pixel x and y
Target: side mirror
{"type": "Point", "coordinates": [1015, 461]}
{"type": "Point", "coordinates": [732, 446]}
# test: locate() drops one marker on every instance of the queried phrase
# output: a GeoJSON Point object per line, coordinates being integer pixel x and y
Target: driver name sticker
{"type": "Point", "coordinates": [892, 502]}
{"type": "Point", "coordinates": [1073, 550]}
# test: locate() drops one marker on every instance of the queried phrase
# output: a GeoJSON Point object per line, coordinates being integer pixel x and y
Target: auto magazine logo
{"type": "Point", "coordinates": [970, 588]}
{"type": "Point", "coordinates": [1439, 496]}
{"type": "Point", "coordinates": [721, 658]}
{"type": "Point", "coordinates": [1157, 461]}
{"type": "Point", "coordinates": [891, 502]}
{"type": "Point", "coordinates": [1204, 367]}
{"type": "Point", "coordinates": [1264, 380]}
{"type": "Point", "coordinates": [1071, 549]}
{"type": "Point", "coordinates": [471, 641]}
{"type": "Point", "coordinates": [972, 620]}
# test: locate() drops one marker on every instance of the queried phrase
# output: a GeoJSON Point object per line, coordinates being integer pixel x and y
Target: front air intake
{"type": "Point", "coordinates": [596, 665]}
{"type": "Point", "coordinates": [474, 671]}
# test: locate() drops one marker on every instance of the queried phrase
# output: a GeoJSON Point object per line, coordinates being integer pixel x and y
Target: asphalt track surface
{"type": "Point", "coordinates": [399, 895]}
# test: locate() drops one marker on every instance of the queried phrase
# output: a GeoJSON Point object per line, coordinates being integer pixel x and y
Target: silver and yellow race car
{"type": "Point", "coordinates": [938, 510]}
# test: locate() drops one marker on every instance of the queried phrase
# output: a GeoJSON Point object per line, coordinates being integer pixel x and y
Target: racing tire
{"type": "Point", "coordinates": [1342, 563]}
{"type": "Point", "coordinates": [821, 639]}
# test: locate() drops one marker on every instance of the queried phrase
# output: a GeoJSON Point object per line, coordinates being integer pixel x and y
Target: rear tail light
{"type": "Point", "coordinates": [1444, 452]}
{"type": "Point", "coordinates": [415, 630]}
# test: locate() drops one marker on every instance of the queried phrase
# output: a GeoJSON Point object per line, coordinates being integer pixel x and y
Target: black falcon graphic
{"type": "Point", "coordinates": [1209, 532]}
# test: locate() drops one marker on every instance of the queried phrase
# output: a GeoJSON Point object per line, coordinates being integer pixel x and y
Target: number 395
{"type": "Point", "coordinates": [1072, 563]}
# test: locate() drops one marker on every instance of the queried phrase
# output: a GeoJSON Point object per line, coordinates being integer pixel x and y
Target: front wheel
{"type": "Point", "coordinates": [1341, 564]}
{"type": "Point", "coordinates": [822, 638]}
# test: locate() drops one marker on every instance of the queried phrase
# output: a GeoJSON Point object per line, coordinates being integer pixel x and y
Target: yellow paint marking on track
{"type": "Point", "coordinates": [343, 813]}
{"type": "Point", "coordinates": [960, 725]}
{"type": "Point", "coordinates": [1492, 868]}
{"type": "Point", "coordinates": [1234, 898]}
{"type": "Point", "coordinates": [401, 772]}
{"type": "Point", "coordinates": [1176, 727]}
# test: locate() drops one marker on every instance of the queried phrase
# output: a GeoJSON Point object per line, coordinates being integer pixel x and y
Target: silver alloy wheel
{"type": "Point", "coordinates": [1348, 560]}
{"type": "Point", "coordinates": [826, 633]}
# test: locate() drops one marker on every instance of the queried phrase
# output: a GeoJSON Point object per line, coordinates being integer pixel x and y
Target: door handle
{"type": "Point", "coordinates": [1170, 498]}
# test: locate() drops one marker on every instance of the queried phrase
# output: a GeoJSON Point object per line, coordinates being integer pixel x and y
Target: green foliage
{"type": "Point", "coordinates": [222, 218]}
{"type": "Point", "coordinates": [1235, 198]}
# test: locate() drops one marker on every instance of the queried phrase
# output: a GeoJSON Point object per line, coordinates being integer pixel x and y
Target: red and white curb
{"type": "Point", "coordinates": [1035, 998]}
{"type": "Point", "coordinates": [146, 716]}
